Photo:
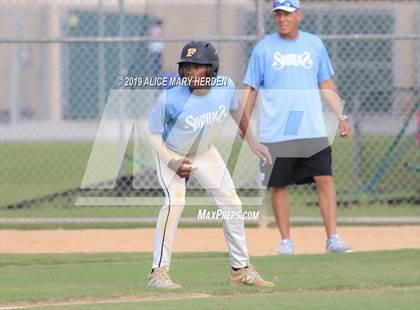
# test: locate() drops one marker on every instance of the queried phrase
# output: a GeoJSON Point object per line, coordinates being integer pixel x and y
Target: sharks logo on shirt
{"type": "Point", "coordinates": [207, 118]}
{"type": "Point", "coordinates": [303, 60]}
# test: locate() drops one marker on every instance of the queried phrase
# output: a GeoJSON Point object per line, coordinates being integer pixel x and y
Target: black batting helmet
{"type": "Point", "coordinates": [200, 52]}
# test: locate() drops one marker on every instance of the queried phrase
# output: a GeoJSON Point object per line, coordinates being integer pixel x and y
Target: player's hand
{"type": "Point", "coordinates": [182, 167]}
{"type": "Point", "coordinates": [345, 129]}
{"type": "Point", "coordinates": [240, 134]}
{"type": "Point", "coordinates": [262, 152]}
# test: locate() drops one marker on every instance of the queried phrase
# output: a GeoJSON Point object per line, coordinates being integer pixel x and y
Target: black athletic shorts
{"type": "Point", "coordinates": [296, 162]}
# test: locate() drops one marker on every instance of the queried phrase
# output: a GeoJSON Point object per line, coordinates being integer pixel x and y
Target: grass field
{"type": "Point", "coordinates": [382, 299]}
{"type": "Point", "coordinates": [369, 280]}
{"type": "Point", "coordinates": [299, 209]}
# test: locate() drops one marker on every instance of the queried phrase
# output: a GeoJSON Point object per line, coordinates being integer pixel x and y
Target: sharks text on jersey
{"type": "Point", "coordinates": [208, 118]}
{"type": "Point", "coordinates": [298, 60]}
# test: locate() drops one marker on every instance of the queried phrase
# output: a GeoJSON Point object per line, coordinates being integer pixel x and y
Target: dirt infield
{"type": "Point", "coordinates": [260, 241]}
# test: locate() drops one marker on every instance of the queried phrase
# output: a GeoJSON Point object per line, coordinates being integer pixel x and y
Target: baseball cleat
{"type": "Point", "coordinates": [159, 278]}
{"type": "Point", "coordinates": [335, 244]}
{"type": "Point", "coordinates": [286, 247]}
{"type": "Point", "coordinates": [248, 276]}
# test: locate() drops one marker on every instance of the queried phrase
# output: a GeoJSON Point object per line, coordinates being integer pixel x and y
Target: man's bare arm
{"type": "Point", "coordinates": [257, 148]}
{"type": "Point", "coordinates": [329, 93]}
{"type": "Point", "coordinates": [250, 96]}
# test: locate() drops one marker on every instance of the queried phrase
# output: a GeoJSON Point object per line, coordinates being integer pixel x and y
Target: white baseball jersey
{"type": "Point", "coordinates": [181, 117]}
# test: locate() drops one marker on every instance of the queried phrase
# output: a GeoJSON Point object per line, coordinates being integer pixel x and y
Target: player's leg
{"type": "Point", "coordinates": [168, 218]}
{"type": "Point", "coordinates": [213, 175]}
{"type": "Point", "coordinates": [167, 223]}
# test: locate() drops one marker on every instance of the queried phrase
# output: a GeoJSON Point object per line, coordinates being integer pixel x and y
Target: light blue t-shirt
{"type": "Point", "coordinates": [190, 123]}
{"type": "Point", "coordinates": [287, 73]}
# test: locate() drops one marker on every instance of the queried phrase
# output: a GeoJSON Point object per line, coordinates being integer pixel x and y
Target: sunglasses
{"type": "Point", "coordinates": [285, 3]}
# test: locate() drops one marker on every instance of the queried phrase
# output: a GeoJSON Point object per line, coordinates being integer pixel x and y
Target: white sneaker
{"type": "Point", "coordinates": [335, 244]}
{"type": "Point", "coordinates": [159, 278]}
{"type": "Point", "coordinates": [286, 247]}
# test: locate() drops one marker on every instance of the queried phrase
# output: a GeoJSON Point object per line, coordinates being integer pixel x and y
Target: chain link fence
{"type": "Point", "coordinates": [62, 60]}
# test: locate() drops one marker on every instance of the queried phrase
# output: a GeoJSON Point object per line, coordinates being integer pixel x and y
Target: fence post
{"type": "Point", "coordinates": [356, 144]}
{"type": "Point", "coordinates": [101, 59]}
{"type": "Point", "coordinates": [15, 70]}
{"type": "Point", "coordinates": [122, 72]}
{"type": "Point", "coordinates": [263, 218]}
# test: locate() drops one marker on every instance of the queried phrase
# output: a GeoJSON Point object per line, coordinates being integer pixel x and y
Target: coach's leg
{"type": "Point", "coordinates": [327, 202]}
{"type": "Point", "coordinates": [167, 222]}
{"type": "Point", "coordinates": [213, 175]}
{"type": "Point", "coordinates": [281, 210]}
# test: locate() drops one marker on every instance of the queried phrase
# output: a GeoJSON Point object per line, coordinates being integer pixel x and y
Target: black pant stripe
{"type": "Point", "coordinates": [169, 209]}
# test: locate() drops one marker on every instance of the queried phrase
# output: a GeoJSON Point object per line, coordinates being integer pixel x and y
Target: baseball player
{"type": "Point", "coordinates": [296, 63]}
{"type": "Point", "coordinates": [183, 125]}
